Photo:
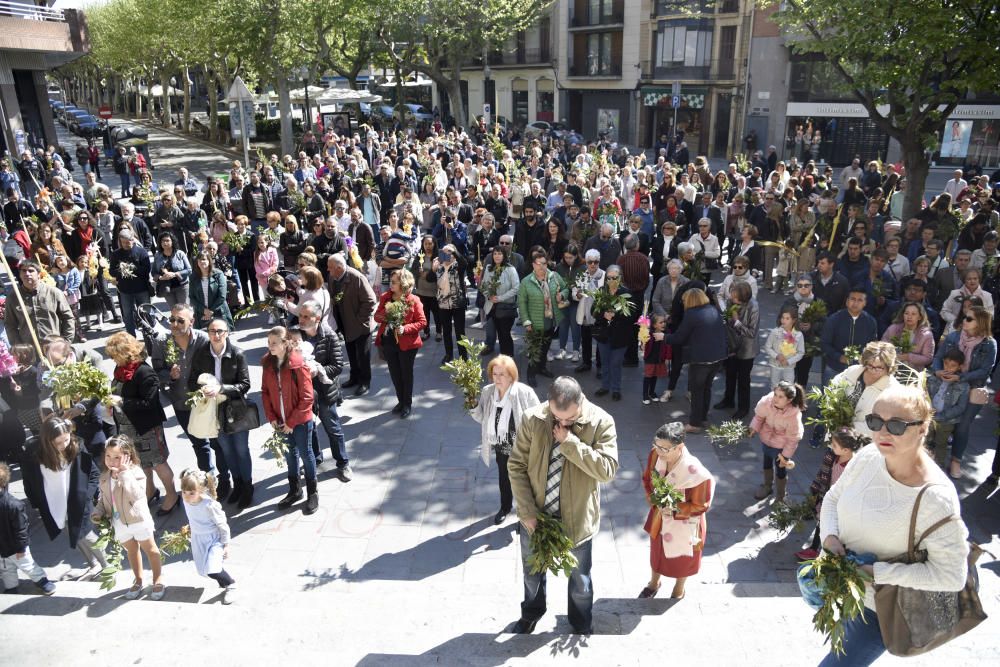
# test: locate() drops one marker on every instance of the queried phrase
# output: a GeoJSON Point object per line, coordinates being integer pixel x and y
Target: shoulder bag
{"type": "Point", "coordinates": [914, 621]}
{"type": "Point", "coordinates": [238, 415]}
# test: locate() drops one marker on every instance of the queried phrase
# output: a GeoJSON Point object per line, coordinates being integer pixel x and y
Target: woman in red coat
{"type": "Point", "coordinates": [677, 535]}
{"type": "Point", "coordinates": [287, 393]}
{"type": "Point", "coordinates": [400, 343]}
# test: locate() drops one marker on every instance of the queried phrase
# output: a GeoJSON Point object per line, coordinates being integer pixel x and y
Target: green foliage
{"type": "Point", "coordinates": [727, 433]}
{"type": "Point", "coordinates": [533, 342]}
{"type": "Point", "coordinates": [835, 410]}
{"type": "Point", "coordinates": [842, 584]}
{"type": "Point", "coordinates": [467, 373]}
{"type": "Point", "coordinates": [551, 549]}
{"type": "Point", "coordinates": [787, 516]}
{"type": "Point", "coordinates": [605, 301]}
{"type": "Point", "coordinates": [814, 312]}
{"type": "Point", "coordinates": [113, 551]}
{"type": "Point", "coordinates": [277, 445]}
{"type": "Point", "coordinates": [79, 380]}
{"type": "Point", "coordinates": [176, 543]}
{"type": "Point", "coordinates": [665, 495]}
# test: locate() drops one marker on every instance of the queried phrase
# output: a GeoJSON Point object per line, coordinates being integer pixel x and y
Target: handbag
{"type": "Point", "coordinates": [912, 621]}
{"type": "Point", "coordinates": [979, 396]}
{"type": "Point", "coordinates": [504, 311]}
{"type": "Point", "coordinates": [238, 416]}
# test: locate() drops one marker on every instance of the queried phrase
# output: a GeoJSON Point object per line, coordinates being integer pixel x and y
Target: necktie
{"type": "Point", "coordinates": [553, 481]}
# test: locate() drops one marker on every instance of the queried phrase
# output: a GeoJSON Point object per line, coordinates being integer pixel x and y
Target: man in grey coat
{"type": "Point", "coordinates": [353, 307]}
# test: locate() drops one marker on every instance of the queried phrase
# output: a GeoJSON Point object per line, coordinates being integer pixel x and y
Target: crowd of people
{"type": "Point", "coordinates": [389, 239]}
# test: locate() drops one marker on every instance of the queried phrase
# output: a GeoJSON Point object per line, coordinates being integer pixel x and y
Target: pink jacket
{"type": "Point", "coordinates": [778, 429]}
{"type": "Point", "coordinates": [266, 264]}
{"type": "Point", "coordinates": [922, 344]}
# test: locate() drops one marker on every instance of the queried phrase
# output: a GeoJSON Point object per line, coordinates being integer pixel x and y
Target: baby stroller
{"type": "Point", "coordinates": [153, 324]}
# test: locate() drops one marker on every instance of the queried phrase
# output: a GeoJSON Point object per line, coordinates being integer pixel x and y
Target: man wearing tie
{"type": "Point", "coordinates": [705, 210]}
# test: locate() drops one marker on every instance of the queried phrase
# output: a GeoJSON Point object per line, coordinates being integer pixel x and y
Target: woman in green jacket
{"type": "Point", "coordinates": [540, 299]}
{"type": "Point", "coordinates": [208, 293]}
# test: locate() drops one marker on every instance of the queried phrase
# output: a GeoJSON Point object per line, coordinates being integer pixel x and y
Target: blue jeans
{"type": "Point", "coordinates": [862, 643]}
{"type": "Point", "coordinates": [235, 449]}
{"type": "Point", "coordinates": [126, 185]}
{"type": "Point", "coordinates": [771, 460]}
{"type": "Point", "coordinates": [612, 359]}
{"type": "Point", "coordinates": [129, 304]}
{"type": "Point", "coordinates": [567, 325]}
{"type": "Point", "coordinates": [330, 419]}
{"type": "Point", "coordinates": [580, 591]}
{"type": "Point", "coordinates": [203, 449]}
{"type": "Point", "coordinates": [960, 438]}
{"type": "Point", "coordinates": [300, 444]}
{"type": "Point", "coordinates": [490, 332]}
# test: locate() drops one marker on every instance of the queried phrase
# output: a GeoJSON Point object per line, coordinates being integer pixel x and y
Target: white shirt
{"type": "Point", "coordinates": [56, 485]}
{"type": "Point", "coordinates": [955, 186]}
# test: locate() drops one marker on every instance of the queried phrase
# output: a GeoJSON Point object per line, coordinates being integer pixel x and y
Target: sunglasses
{"type": "Point", "coordinates": [970, 318]}
{"type": "Point", "coordinates": [894, 426]}
{"type": "Point", "coordinates": [593, 261]}
{"type": "Point", "coordinates": [505, 243]}
{"type": "Point", "coordinates": [218, 332]}
{"type": "Point", "coordinates": [178, 320]}
{"type": "Point", "coordinates": [803, 285]}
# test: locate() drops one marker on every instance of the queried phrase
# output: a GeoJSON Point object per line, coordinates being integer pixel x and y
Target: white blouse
{"type": "Point", "coordinates": [56, 484]}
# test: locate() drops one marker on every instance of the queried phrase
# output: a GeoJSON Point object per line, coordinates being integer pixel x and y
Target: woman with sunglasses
{"type": "Point", "coordinates": [897, 470]}
{"type": "Point", "coordinates": [866, 380]}
{"type": "Point", "coordinates": [976, 342]}
{"type": "Point", "coordinates": [668, 555]}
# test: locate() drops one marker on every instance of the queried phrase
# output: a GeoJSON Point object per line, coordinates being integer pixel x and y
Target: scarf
{"type": "Point", "coordinates": [967, 344]}
{"type": "Point", "coordinates": [680, 536]}
{"type": "Point", "coordinates": [498, 431]}
{"type": "Point", "coordinates": [124, 373]}
{"type": "Point", "coordinates": [86, 235]}
{"type": "Point", "coordinates": [546, 294]}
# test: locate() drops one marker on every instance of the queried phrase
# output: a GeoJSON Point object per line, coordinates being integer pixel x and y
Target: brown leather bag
{"type": "Point", "coordinates": [914, 621]}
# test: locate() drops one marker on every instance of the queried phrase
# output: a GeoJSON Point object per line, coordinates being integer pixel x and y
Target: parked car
{"type": "Point", "coordinates": [418, 113]}
{"type": "Point", "coordinates": [56, 106]}
{"type": "Point", "coordinates": [86, 126]}
{"type": "Point", "coordinates": [537, 130]}
{"type": "Point", "coordinates": [566, 134]}
{"type": "Point", "coordinates": [72, 115]}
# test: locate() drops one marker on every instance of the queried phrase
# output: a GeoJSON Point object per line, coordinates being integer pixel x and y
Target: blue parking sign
{"type": "Point", "coordinates": [675, 101]}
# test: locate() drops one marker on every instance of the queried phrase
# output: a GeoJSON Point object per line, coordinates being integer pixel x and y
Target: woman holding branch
{"type": "Point", "coordinates": [400, 317]}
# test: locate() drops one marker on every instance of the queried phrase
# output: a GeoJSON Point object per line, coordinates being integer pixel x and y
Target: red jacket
{"type": "Point", "coordinates": [413, 323]}
{"type": "Point", "coordinates": [296, 389]}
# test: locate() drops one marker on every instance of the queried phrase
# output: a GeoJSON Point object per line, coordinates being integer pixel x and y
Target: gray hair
{"type": "Point", "coordinates": [607, 226]}
{"type": "Point", "coordinates": [592, 254]}
{"type": "Point", "coordinates": [675, 262]}
{"type": "Point", "coordinates": [964, 253]}
{"type": "Point", "coordinates": [613, 268]}
{"type": "Point", "coordinates": [684, 248]}
{"type": "Point", "coordinates": [672, 433]}
{"type": "Point", "coordinates": [185, 307]}
{"type": "Point", "coordinates": [338, 259]}
{"type": "Point", "coordinates": [311, 306]}
{"type": "Point", "coordinates": [565, 392]}
{"type": "Point", "coordinates": [631, 242]}
{"type": "Point", "coordinates": [508, 237]}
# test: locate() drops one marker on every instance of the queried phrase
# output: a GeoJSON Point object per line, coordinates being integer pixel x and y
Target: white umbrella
{"type": "Point", "coordinates": [299, 94]}
{"type": "Point", "coordinates": [346, 96]}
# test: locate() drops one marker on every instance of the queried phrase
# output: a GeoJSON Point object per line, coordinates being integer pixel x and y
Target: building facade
{"type": "Point", "coordinates": [33, 40]}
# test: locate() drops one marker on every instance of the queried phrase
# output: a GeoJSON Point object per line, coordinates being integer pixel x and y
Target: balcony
{"type": "Point", "coordinates": [58, 36]}
{"type": "Point", "coordinates": [588, 20]}
{"type": "Point", "coordinates": [612, 71]}
{"type": "Point", "coordinates": [521, 57]}
{"type": "Point", "coordinates": [724, 70]}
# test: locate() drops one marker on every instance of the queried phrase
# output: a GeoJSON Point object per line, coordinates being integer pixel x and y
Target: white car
{"type": "Point", "coordinates": [418, 113]}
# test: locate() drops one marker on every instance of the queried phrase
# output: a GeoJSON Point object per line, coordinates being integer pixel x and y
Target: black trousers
{"type": "Point", "coordinates": [430, 304]}
{"type": "Point", "coordinates": [738, 382]}
{"type": "Point", "coordinates": [504, 326]}
{"type": "Point", "coordinates": [632, 351]}
{"type": "Point", "coordinates": [359, 355]}
{"type": "Point", "coordinates": [400, 363]}
{"type": "Point", "coordinates": [676, 364]}
{"type": "Point", "coordinates": [802, 368]}
{"type": "Point", "coordinates": [248, 280]}
{"type": "Point", "coordinates": [449, 318]}
{"type": "Point", "coordinates": [587, 344]}
{"type": "Point", "coordinates": [700, 378]}
{"type": "Point", "coordinates": [506, 493]}
{"type": "Point", "coordinates": [223, 577]}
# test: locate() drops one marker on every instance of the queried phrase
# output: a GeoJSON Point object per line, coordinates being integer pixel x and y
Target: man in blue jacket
{"type": "Point", "coordinates": [853, 265]}
{"type": "Point", "coordinates": [851, 326]}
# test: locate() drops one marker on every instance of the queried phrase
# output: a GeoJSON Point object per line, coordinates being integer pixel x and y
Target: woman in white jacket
{"type": "Point", "coordinates": [866, 381]}
{"type": "Point", "coordinates": [952, 306]}
{"type": "Point", "coordinates": [499, 411]}
{"type": "Point", "coordinates": [591, 280]}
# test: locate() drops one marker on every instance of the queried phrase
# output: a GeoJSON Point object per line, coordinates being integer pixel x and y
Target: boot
{"type": "Point", "coordinates": [532, 382]}
{"type": "Point", "coordinates": [312, 501]}
{"type": "Point", "coordinates": [779, 489]}
{"type": "Point", "coordinates": [246, 497]}
{"type": "Point", "coordinates": [765, 489]}
{"type": "Point", "coordinates": [237, 491]}
{"type": "Point", "coordinates": [294, 493]}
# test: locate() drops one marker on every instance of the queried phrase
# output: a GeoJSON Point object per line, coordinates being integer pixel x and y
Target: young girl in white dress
{"type": "Point", "coordinates": [209, 530]}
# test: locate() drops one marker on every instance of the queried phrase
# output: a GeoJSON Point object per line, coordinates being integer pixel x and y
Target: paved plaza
{"type": "Point", "coordinates": [403, 565]}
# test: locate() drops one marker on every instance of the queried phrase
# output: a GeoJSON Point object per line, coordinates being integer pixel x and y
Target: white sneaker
{"type": "Point", "coordinates": [229, 595]}
{"type": "Point", "coordinates": [576, 357]}
{"type": "Point", "coordinates": [477, 325]}
{"type": "Point", "coordinates": [551, 356]}
{"type": "Point", "coordinates": [666, 396]}
{"type": "Point", "coordinates": [561, 355]}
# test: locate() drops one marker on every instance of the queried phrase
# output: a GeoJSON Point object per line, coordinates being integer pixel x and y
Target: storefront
{"type": "Point", "coordinates": [692, 116]}
{"type": "Point", "coordinates": [971, 135]}
{"type": "Point", "coordinates": [597, 112]}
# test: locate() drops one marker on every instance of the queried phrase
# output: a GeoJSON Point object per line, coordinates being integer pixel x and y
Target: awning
{"type": "Point", "coordinates": [658, 96]}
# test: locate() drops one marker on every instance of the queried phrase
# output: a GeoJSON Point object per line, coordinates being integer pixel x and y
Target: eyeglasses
{"type": "Point", "coordinates": [218, 332]}
{"type": "Point", "coordinates": [614, 278]}
{"type": "Point", "coordinates": [970, 318]}
{"type": "Point", "coordinates": [505, 243]}
{"type": "Point", "coordinates": [803, 285]}
{"type": "Point", "coordinates": [894, 426]}
{"type": "Point", "coordinates": [879, 369]}
{"type": "Point", "coordinates": [178, 320]}
{"type": "Point", "coordinates": [593, 261]}
{"type": "Point", "coordinates": [666, 450]}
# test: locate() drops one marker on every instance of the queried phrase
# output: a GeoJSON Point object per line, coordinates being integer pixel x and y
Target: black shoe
{"type": "Point", "coordinates": [992, 480]}
{"type": "Point", "coordinates": [294, 496]}
{"type": "Point", "coordinates": [500, 517]}
{"type": "Point", "coordinates": [156, 496]}
{"type": "Point", "coordinates": [445, 359]}
{"type": "Point", "coordinates": [523, 627]}
{"type": "Point", "coordinates": [630, 364]}
{"type": "Point", "coordinates": [405, 412]}
{"type": "Point", "coordinates": [116, 320]}
{"type": "Point", "coordinates": [361, 390]}
{"type": "Point", "coordinates": [723, 405]}
{"type": "Point", "coordinates": [399, 408]}
{"type": "Point", "coordinates": [616, 396]}
{"type": "Point", "coordinates": [246, 497]}
{"type": "Point", "coordinates": [236, 493]}
{"type": "Point", "coordinates": [586, 631]}
{"type": "Point", "coordinates": [582, 368]}
{"type": "Point", "coordinates": [424, 335]}
{"type": "Point", "coordinates": [164, 511]}
{"type": "Point", "coordinates": [349, 384]}
{"type": "Point", "coordinates": [740, 415]}
{"type": "Point", "coordinates": [312, 504]}
{"type": "Point", "coordinates": [601, 392]}
{"type": "Point", "coordinates": [223, 489]}
{"type": "Point", "coordinates": [545, 373]}
{"type": "Point", "coordinates": [487, 352]}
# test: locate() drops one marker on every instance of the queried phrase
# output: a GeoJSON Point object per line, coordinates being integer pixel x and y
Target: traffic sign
{"type": "Point", "coordinates": [675, 101]}
{"type": "Point", "coordinates": [486, 109]}
{"type": "Point", "coordinates": [104, 112]}
{"type": "Point", "coordinates": [241, 119]}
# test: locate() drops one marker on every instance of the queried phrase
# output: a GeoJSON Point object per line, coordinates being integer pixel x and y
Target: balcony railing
{"type": "Point", "coordinates": [590, 19]}
{"type": "Point", "coordinates": [31, 12]}
{"type": "Point", "coordinates": [723, 69]}
{"type": "Point", "coordinates": [612, 70]}
{"type": "Point", "coordinates": [537, 56]}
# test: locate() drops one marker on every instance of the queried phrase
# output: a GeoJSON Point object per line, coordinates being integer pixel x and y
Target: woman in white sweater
{"type": "Point", "coordinates": [499, 410]}
{"type": "Point", "coordinates": [868, 511]}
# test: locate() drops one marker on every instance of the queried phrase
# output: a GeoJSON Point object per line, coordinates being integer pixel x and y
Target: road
{"type": "Point", "coordinates": [403, 566]}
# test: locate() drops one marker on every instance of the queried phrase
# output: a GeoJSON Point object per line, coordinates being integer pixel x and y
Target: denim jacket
{"type": "Point", "coordinates": [983, 357]}
{"type": "Point", "coordinates": [956, 399]}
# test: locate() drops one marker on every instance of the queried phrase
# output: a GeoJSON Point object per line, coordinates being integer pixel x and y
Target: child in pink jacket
{"type": "Point", "coordinates": [778, 420]}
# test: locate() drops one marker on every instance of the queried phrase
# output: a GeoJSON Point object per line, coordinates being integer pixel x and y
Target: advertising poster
{"type": "Point", "coordinates": [955, 142]}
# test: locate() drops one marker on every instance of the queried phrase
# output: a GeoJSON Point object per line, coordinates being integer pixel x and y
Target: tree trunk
{"type": "Point", "coordinates": [400, 110]}
{"type": "Point", "coordinates": [114, 94]}
{"type": "Point", "coordinates": [213, 107]}
{"type": "Point", "coordinates": [165, 99]}
{"type": "Point", "coordinates": [187, 98]}
{"type": "Point", "coordinates": [917, 167]}
{"type": "Point", "coordinates": [284, 103]}
{"type": "Point", "coordinates": [456, 103]}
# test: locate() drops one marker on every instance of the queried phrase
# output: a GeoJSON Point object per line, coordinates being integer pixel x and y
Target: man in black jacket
{"type": "Point", "coordinates": [829, 286]}
{"type": "Point", "coordinates": [530, 231]}
{"type": "Point", "coordinates": [326, 244]}
{"type": "Point", "coordinates": [325, 368]}
{"type": "Point", "coordinates": [257, 201]}
{"type": "Point", "coordinates": [16, 211]}
{"type": "Point", "coordinates": [704, 209]}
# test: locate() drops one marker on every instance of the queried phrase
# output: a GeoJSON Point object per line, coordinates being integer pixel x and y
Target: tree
{"type": "Point", "coordinates": [437, 37]}
{"type": "Point", "coordinates": [909, 63]}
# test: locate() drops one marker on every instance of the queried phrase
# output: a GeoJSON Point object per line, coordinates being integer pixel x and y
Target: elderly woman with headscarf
{"type": "Point", "coordinates": [499, 411]}
{"type": "Point", "coordinates": [677, 535]}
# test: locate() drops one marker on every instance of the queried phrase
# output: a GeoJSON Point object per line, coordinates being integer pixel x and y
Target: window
{"type": "Point", "coordinates": [727, 51]}
{"type": "Point", "coordinates": [682, 46]}
{"type": "Point", "coordinates": [599, 53]}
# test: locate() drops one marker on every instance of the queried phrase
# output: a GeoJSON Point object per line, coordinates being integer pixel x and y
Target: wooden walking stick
{"type": "Point", "coordinates": [24, 309]}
